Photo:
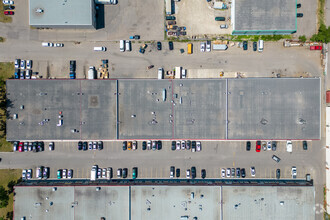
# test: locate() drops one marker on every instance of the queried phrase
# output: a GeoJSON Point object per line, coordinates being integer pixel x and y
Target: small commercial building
{"type": "Point", "coordinates": [62, 14]}
{"type": "Point", "coordinates": [263, 17]}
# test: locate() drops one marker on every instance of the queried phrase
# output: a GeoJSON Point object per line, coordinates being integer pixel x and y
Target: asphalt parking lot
{"type": "Point", "coordinates": [307, 25]}
{"type": "Point", "coordinates": [156, 164]}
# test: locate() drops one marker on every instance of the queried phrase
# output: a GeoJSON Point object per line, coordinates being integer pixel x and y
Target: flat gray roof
{"type": "Point", "coordinates": [61, 12]}
{"type": "Point", "coordinates": [164, 202]}
{"type": "Point", "coordinates": [79, 202]}
{"type": "Point", "coordinates": [265, 15]}
{"type": "Point", "coordinates": [255, 108]}
{"type": "Point", "coordinates": [265, 202]}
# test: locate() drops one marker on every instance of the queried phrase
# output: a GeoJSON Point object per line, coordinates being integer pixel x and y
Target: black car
{"type": "Point", "coordinates": [299, 5]}
{"type": "Point", "coordinates": [159, 145]}
{"type": "Point", "coordinates": [188, 144]}
{"type": "Point", "coordinates": [243, 172]}
{"type": "Point", "coordinates": [40, 146]}
{"type": "Point", "coordinates": [173, 145]}
{"type": "Point", "coordinates": [305, 145]}
{"type": "Point", "coordinates": [248, 145]}
{"type": "Point", "coordinates": [80, 144]}
{"type": "Point", "coordinates": [300, 15]}
{"type": "Point", "coordinates": [193, 146]}
{"type": "Point", "coordinates": [85, 146]}
{"type": "Point", "coordinates": [124, 145]}
{"type": "Point", "coordinates": [125, 172]}
{"type": "Point", "coordinates": [72, 65]}
{"type": "Point", "coordinates": [159, 45]}
{"type": "Point", "coordinates": [170, 45]}
{"type": "Point", "coordinates": [100, 145]}
{"type": "Point", "coordinates": [245, 45]}
{"type": "Point", "coordinates": [193, 172]}
{"type": "Point", "coordinates": [278, 173]}
{"type": "Point", "coordinates": [177, 172]}
{"type": "Point", "coordinates": [274, 146]}
{"type": "Point", "coordinates": [255, 47]}
{"type": "Point", "coordinates": [136, 37]}
{"type": "Point", "coordinates": [203, 173]}
{"type": "Point", "coordinates": [144, 145]}
{"type": "Point", "coordinates": [170, 17]}
{"type": "Point", "coordinates": [238, 172]}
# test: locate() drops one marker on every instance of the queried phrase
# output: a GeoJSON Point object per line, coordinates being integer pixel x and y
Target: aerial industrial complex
{"type": "Point", "coordinates": [144, 110]}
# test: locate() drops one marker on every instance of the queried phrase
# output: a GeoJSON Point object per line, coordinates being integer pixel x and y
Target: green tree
{"type": "Point", "coordinates": [3, 197]}
{"type": "Point", "coordinates": [11, 185]}
{"type": "Point", "coordinates": [302, 38]}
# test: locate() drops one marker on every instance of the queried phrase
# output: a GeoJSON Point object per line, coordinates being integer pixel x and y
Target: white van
{"type": "Point", "coordinates": [261, 45]}
{"type": "Point", "coordinates": [122, 45]}
{"type": "Point", "coordinates": [128, 45]}
{"type": "Point", "coordinates": [45, 44]}
{"type": "Point", "coordinates": [100, 48]}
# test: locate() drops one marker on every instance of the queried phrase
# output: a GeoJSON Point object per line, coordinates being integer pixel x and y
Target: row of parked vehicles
{"type": "Point", "coordinates": [194, 146]}
{"type": "Point", "coordinates": [272, 145]}
{"type": "Point", "coordinates": [190, 173]}
{"type": "Point", "coordinates": [106, 173]}
{"type": "Point", "coordinates": [236, 173]}
{"type": "Point", "coordinates": [146, 145]}
{"type": "Point", "coordinates": [91, 145]}
{"type": "Point", "coordinates": [64, 174]}
{"type": "Point", "coordinates": [36, 146]}
{"type": "Point", "coordinates": [23, 69]}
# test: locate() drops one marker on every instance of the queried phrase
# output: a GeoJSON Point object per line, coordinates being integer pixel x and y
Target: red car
{"type": "Point", "coordinates": [20, 147]}
{"type": "Point", "coordinates": [8, 12]}
{"type": "Point", "coordinates": [258, 146]}
{"type": "Point", "coordinates": [315, 48]}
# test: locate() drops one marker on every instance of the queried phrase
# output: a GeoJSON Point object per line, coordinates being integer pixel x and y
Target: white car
{"type": "Point", "coordinates": [90, 145]}
{"type": "Point", "coordinates": [27, 74]}
{"type": "Point", "coordinates": [289, 146]}
{"type": "Point", "coordinates": [253, 171]}
{"type": "Point", "coordinates": [29, 174]}
{"type": "Point", "coordinates": [7, 2]}
{"type": "Point", "coordinates": [51, 146]}
{"type": "Point", "coordinates": [94, 145]}
{"type": "Point", "coordinates": [58, 45]}
{"type": "Point", "coordinates": [119, 172]}
{"type": "Point", "coordinates": [188, 173]}
{"type": "Point", "coordinates": [149, 145]}
{"type": "Point", "coordinates": [29, 64]}
{"type": "Point", "coordinates": [17, 63]}
{"type": "Point", "coordinates": [269, 145]}
{"type": "Point", "coordinates": [202, 46]}
{"type": "Point", "coordinates": [208, 46]}
{"type": "Point", "coordinates": [183, 145]}
{"type": "Point", "coordinates": [24, 174]}
{"type": "Point", "coordinates": [104, 173]}
{"type": "Point", "coordinates": [70, 172]}
{"type": "Point", "coordinates": [198, 146]}
{"type": "Point", "coordinates": [22, 64]}
{"type": "Point", "coordinates": [172, 170]}
{"type": "Point", "coordinates": [228, 172]}
{"type": "Point", "coordinates": [64, 172]}
{"type": "Point", "coordinates": [223, 173]}
{"type": "Point", "coordinates": [178, 145]}
{"type": "Point", "coordinates": [294, 172]}
{"type": "Point", "coordinates": [134, 146]}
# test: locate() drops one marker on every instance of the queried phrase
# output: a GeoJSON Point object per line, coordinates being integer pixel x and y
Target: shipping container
{"type": "Point", "coordinates": [328, 96]}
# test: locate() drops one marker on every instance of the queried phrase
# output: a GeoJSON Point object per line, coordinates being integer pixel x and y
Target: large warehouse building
{"type": "Point", "coordinates": [62, 13]}
{"type": "Point", "coordinates": [233, 109]}
{"type": "Point", "coordinates": [262, 17]}
{"type": "Point", "coordinates": [165, 202]}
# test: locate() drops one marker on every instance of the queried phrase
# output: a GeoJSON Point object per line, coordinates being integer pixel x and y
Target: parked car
{"type": "Point", "coordinates": [233, 172]}
{"type": "Point", "coordinates": [264, 145]}
{"type": "Point", "coordinates": [243, 173]}
{"type": "Point", "coordinates": [8, 2]}
{"type": "Point", "coordinates": [144, 145]}
{"type": "Point", "coordinates": [90, 145]}
{"type": "Point", "coordinates": [100, 145]}
{"type": "Point", "coordinates": [238, 172]}
{"type": "Point", "coordinates": [289, 146]}
{"type": "Point", "coordinates": [51, 146]}
{"type": "Point", "coordinates": [223, 173]}
{"type": "Point", "coordinates": [159, 45]}
{"type": "Point", "coordinates": [119, 172]}
{"type": "Point", "coordinates": [29, 174]}
{"type": "Point", "coordinates": [193, 172]}
{"type": "Point", "coordinates": [58, 45]}
{"type": "Point", "coordinates": [183, 145]}
{"type": "Point", "coordinates": [17, 63]}
{"type": "Point", "coordinates": [304, 145]}
{"type": "Point", "coordinates": [29, 64]}
{"type": "Point", "coordinates": [203, 45]}
{"type": "Point", "coordinates": [245, 45]}
{"type": "Point", "coordinates": [255, 46]}
{"type": "Point", "coordinates": [178, 145]}
{"type": "Point", "coordinates": [258, 146]}
{"type": "Point", "coordinates": [274, 146]}
{"type": "Point", "coordinates": [154, 147]}
{"type": "Point", "coordinates": [298, 5]}
{"type": "Point", "coordinates": [278, 173]}
{"type": "Point", "coordinates": [125, 173]}
{"type": "Point", "coordinates": [198, 146]}
{"type": "Point", "coordinates": [294, 172]}
{"type": "Point", "coordinates": [253, 171]}
{"type": "Point", "coordinates": [188, 173]}
{"type": "Point", "coordinates": [64, 173]}
{"type": "Point", "coordinates": [45, 173]}
{"type": "Point", "coordinates": [188, 145]}
{"type": "Point", "coordinates": [193, 146]}
{"type": "Point", "coordinates": [269, 145]}
{"type": "Point", "coordinates": [300, 15]}
{"type": "Point", "coordinates": [276, 158]}
{"type": "Point", "coordinates": [248, 145]}
{"type": "Point", "coordinates": [59, 174]}
{"type": "Point", "coordinates": [109, 173]}
{"type": "Point", "coordinates": [104, 173]}
{"type": "Point", "coordinates": [208, 46]}
{"type": "Point", "coordinates": [8, 7]}
{"type": "Point", "coordinates": [149, 145]}
{"type": "Point", "coordinates": [203, 173]}
{"type": "Point", "coordinates": [177, 172]}
{"type": "Point", "coordinates": [172, 170]}
{"type": "Point", "coordinates": [23, 174]}
{"type": "Point", "coordinates": [170, 45]}
{"type": "Point", "coordinates": [85, 146]}
{"type": "Point", "coordinates": [173, 146]}
{"type": "Point", "coordinates": [315, 47]}
{"type": "Point", "coordinates": [80, 145]}
{"type": "Point", "coordinates": [15, 146]}
{"type": "Point", "coordinates": [9, 12]}
{"type": "Point", "coordinates": [70, 174]}
{"type": "Point", "coordinates": [124, 145]}
{"type": "Point", "coordinates": [134, 172]}
{"type": "Point", "coordinates": [134, 145]}
{"type": "Point", "coordinates": [94, 145]}
{"type": "Point", "coordinates": [228, 172]}
{"type": "Point", "coordinates": [22, 64]}
{"type": "Point", "coordinates": [159, 145]}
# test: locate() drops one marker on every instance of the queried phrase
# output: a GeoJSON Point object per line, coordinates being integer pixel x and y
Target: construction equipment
{"type": "Point", "coordinates": [104, 72]}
